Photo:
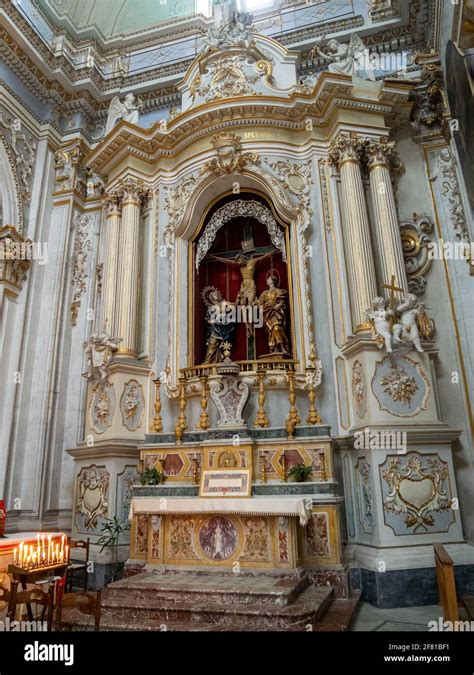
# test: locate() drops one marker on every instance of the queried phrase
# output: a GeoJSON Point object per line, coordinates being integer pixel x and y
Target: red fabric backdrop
{"type": "Point", "coordinates": [227, 279]}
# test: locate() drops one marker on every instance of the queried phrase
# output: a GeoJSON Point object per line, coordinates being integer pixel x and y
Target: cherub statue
{"type": "Point", "coordinates": [126, 110]}
{"type": "Point", "coordinates": [99, 349]}
{"type": "Point", "coordinates": [345, 59]}
{"type": "Point", "coordinates": [414, 322]}
{"type": "Point", "coordinates": [380, 315]}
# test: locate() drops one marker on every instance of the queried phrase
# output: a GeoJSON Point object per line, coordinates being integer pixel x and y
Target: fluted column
{"type": "Point", "coordinates": [346, 152]}
{"type": "Point", "coordinates": [381, 157]}
{"type": "Point", "coordinates": [134, 192]}
{"type": "Point", "coordinates": [112, 204]}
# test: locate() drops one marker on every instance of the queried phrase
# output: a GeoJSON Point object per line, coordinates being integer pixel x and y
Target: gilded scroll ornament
{"type": "Point", "coordinates": [418, 488]}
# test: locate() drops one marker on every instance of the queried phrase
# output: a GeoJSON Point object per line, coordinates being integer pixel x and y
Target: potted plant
{"type": "Point", "coordinates": [151, 477]}
{"type": "Point", "coordinates": [112, 529]}
{"type": "Point", "coordinates": [300, 472]}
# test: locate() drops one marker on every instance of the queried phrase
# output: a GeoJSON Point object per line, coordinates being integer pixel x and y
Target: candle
{"type": "Point", "coordinates": [49, 548]}
{"type": "Point", "coordinates": [15, 553]}
{"type": "Point", "coordinates": [67, 553]}
{"type": "Point", "coordinates": [62, 547]}
{"type": "Point", "coordinates": [20, 556]}
{"type": "Point", "coordinates": [42, 544]}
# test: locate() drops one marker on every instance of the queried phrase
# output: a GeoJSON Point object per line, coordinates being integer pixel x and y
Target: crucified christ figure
{"type": "Point", "coordinates": [247, 294]}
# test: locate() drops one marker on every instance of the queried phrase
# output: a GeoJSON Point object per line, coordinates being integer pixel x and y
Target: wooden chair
{"type": "Point", "coordinates": [78, 567]}
{"type": "Point", "coordinates": [30, 596]}
{"type": "Point", "coordinates": [446, 583]}
{"type": "Point", "coordinates": [5, 593]}
{"type": "Point", "coordinates": [85, 602]}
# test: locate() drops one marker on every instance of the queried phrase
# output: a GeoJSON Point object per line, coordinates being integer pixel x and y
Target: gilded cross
{"type": "Point", "coordinates": [392, 288]}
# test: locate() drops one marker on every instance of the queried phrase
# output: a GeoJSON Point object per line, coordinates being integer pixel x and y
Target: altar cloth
{"type": "Point", "coordinates": [255, 506]}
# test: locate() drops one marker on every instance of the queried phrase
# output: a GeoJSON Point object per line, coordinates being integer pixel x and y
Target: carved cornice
{"type": "Point", "coordinates": [332, 92]}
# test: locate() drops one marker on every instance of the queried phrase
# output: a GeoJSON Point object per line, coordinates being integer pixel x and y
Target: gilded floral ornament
{"type": "Point", "coordinates": [102, 407]}
{"type": "Point", "coordinates": [132, 405]}
{"type": "Point", "coordinates": [399, 385]}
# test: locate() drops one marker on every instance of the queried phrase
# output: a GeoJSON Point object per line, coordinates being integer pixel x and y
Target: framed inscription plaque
{"type": "Point", "coordinates": [225, 483]}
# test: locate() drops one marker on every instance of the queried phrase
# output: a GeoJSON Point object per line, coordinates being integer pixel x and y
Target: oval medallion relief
{"type": "Point", "coordinates": [218, 538]}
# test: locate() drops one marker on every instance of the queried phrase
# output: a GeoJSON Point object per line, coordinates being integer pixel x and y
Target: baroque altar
{"type": "Point", "coordinates": [257, 314]}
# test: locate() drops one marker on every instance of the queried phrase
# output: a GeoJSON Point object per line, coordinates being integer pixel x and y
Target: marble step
{"type": "Point", "coordinates": [340, 614]}
{"type": "Point", "coordinates": [230, 590]}
{"type": "Point", "coordinates": [73, 621]}
{"type": "Point", "coordinates": [306, 610]}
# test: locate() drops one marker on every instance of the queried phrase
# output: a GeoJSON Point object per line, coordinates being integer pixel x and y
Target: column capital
{"type": "Point", "coordinates": [134, 189]}
{"type": "Point", "coordinates": [382, 152]}
{"type": "Point", "coordinates": [112, 203]}
{"type": "Point", "coordinates": [345, 149]}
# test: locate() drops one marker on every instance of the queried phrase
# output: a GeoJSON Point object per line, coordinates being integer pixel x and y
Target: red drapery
{"type": "Point", "coordinates": [227, 279]}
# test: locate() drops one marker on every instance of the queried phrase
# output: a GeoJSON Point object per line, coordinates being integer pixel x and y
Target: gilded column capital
{"type": "Point", "coordinates": [134, 190]}
{"type": "Point", "coordinates": [382, 152]}
{"type": "Point", "coordinates": [112, 203]}
{"type": "Point", "coordinates": [345, 149]}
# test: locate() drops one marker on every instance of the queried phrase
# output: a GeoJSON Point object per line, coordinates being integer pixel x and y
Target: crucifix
{"type": "Point", "coordinates": [246, 261]}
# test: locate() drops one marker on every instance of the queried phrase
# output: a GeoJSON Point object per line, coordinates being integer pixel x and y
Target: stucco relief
{"type": "Point", "coordinates": [400, 386]}
{"type": "Point", "coordinates": [416, 494]}
{"type": "Point", "coordinates": [91, 498]}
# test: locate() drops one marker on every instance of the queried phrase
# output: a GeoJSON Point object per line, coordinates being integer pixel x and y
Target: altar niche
{"type": "Point", "coordinates": [243, 276]}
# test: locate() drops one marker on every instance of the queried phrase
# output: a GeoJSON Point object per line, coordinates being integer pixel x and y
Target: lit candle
{"type": "Point", "coordinates": [57, 552]}
{"type": "Point", "coordinates": [42, 545]}
{"type": "Point", "coordinates": [62, 547]}
{"type": "Point", "coordinates": [67, 553]}
{"type": "Point", "coordinates": [49, 548]}
{"type": "Point", "coordinates": [20, 556]}
{"type": "Point", "coordinates": [15, 553]}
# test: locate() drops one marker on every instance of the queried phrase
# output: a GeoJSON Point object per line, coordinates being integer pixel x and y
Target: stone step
{"type": "Point", "coordinates": [306, 610]}
{"type": "Point", "coordinates": [340, 614]}
{"type": "Point", "coordinates": [230, 590]}
{"type": "Point", "coordinates": [74, 621]}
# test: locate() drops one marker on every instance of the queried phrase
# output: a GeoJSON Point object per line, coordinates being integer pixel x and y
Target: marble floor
{"type": "Point", "coordinates": [406, 619]}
